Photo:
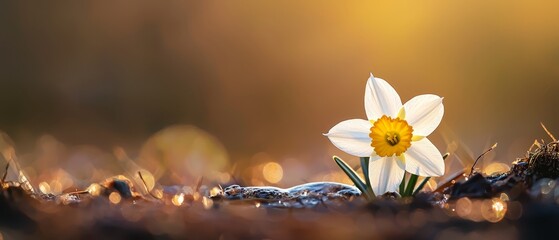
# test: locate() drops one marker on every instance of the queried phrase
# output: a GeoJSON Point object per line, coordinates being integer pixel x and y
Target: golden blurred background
{"type": "Point", "coordinates": [266, 79]}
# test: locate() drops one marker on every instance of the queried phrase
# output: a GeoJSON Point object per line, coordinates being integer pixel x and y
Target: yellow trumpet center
{"type": "Point", "coordinates": [390, 136]}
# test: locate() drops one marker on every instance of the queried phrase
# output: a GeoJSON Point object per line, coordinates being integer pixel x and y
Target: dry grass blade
{"type": "Point", "coordinates": [536, 144]}
{"type": "Point", "coordinates": [5, 172]}
{"type": "Point", "coordinates": [548, 132]}
{"type": "Point", "coordinates": [199, 184]}
{"type": "Point", "coordinates": [146, 185]}
{"type": "Point", "coordinates": [480, 156]}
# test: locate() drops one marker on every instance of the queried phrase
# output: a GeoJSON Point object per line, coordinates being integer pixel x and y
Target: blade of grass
{"type": "Point", "coordinates": [421, 185]}
{"type": "Point", "coordinates": [411, 185]}
{"type": "Point", "coordinates": [480, 156]}
{"type": "Point", "coordinates": [5, 173]}
{"type": "Point", "coordinates": [365, 167]}
{"type": "Point", "coordinates": [146, 186]}
{"type": "Point", "coordinates": [403, 185]}
{"type": "Point", "coordinates": [548, 133]}
{"type": "Point", "coordinates": [353, 176]}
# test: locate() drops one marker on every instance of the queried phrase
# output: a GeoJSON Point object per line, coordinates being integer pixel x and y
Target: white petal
{"type": "Point", "coordinates": [385, 174]}
{"type": "Point", "coordinates": [424, 113]}
{"type": "Point", "coordinates": [424, 159]}
{"type": "Point", "coordinates": [381, 99]}
{"type": "Point", "coordinates": [352, 137]}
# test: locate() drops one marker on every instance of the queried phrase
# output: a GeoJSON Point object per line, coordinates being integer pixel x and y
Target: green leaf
{"type": "Point", "coordinates": [353, 176]}
{"type": "Point", "coordinates": [411, 185]}
{"type": "Point", "coordinates": [365, 168]}
{"type": "Point", "coordinates": [421, 185]}
{"type": "Point", "coordinates": [403, 185]}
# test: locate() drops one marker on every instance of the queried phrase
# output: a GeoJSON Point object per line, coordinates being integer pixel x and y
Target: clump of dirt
{"type": "Point", "coordinates": [543, 162]}
{"type": "Point", "coordinates": [540, 162]}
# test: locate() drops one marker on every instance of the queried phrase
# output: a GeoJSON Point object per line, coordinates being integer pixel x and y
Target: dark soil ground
{"type": "Point", "coordinates": [519, 204]}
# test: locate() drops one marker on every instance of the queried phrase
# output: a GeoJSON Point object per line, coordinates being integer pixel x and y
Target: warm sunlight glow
{"type": "Point", "coordinates": [496, 167]}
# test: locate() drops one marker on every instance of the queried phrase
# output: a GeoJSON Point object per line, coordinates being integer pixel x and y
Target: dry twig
{"type": "Point", "coordinates": [5, 172]}
{"type": "Point", "coordinates": [548, 132]}
{"type": "Point", "coordinates": [480, 156]}
{"type": "Point", "coordinates": [146, 185]}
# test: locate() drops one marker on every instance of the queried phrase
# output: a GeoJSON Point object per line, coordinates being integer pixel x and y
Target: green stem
{"type": "Point", "coordinates": [353, 177]}
{"type": "Point", "coordinates": [365, 168]}
{"type": "Point", "coordinates": [421, 185]}
{"type": "Point", "coordinates": [403, 185]}
{"type": "Point", "coordinates": [411, 185]}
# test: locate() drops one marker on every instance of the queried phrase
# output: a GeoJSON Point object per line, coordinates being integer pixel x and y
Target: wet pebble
{"type": "Point", "coordinates": [300, 196]}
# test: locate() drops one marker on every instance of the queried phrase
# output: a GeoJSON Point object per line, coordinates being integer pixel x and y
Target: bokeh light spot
{"type": "Point", "coordinates": [115, 198]}
{"type": "Point", "coordinates": [94, 189]}
{"type": "Point", "coordinates": [44, 188]}
{"type": "Point", "coordinates": [207, 202]}
{"type": "Point", "coordinates": [178, 199]}
{"type": "Point", "coordinates": [493, 210]}
{"type": "Point", "coordinates": [463, 207]}
{"type": "Point", "coordinates": [496, 167]}
{"type": "Point", "coordinates": [273, 172]}
{"type": "Point", "coordinates": [215, 191]}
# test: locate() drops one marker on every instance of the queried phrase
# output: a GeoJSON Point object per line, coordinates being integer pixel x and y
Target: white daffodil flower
{"type": "Point", "coordinates": [394, 137]}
